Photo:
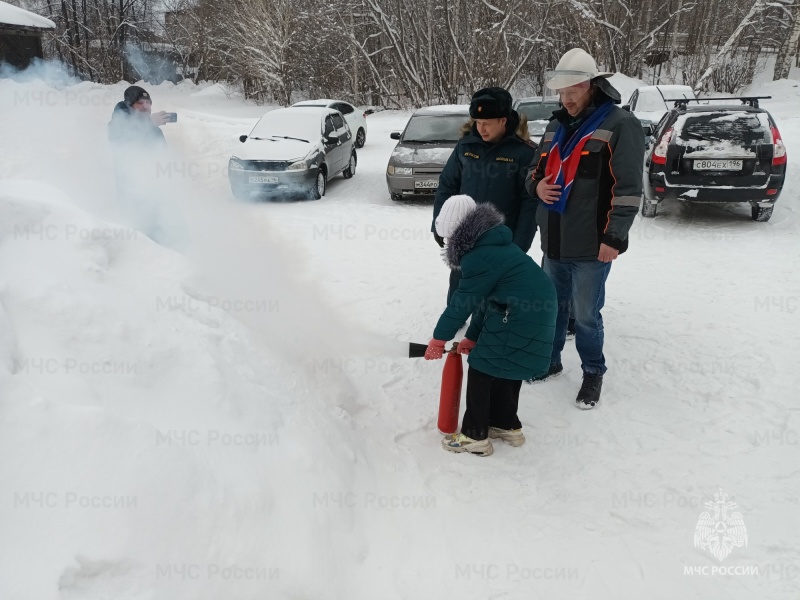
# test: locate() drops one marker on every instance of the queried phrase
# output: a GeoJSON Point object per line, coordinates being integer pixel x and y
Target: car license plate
{"type": "Point", "coordinates": [426, 185]}
{"type": "Point", "coordinates": [263, 179]}
{"type": "Point", "coordinates": [718, 165]}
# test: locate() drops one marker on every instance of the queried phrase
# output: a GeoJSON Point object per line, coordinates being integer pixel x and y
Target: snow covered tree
{"type": "Point", "coordinates": [430, 53]}
{"type": "Point", "coordinates": [258, 39]}
{"type": "Point", "coordinates": [731, 43]}
{"type": "Point", "coordinates": [93, 37]}
{"type": "Point", "coordinates": [418, 52]}
{"type": "Point", "coordinates": [190, 28]}
{"type": "Point", "coordinates": [791, 43]}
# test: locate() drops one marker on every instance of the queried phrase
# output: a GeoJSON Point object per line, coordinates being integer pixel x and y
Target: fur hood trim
{"type": "Point", "coordinates": [475, 224]}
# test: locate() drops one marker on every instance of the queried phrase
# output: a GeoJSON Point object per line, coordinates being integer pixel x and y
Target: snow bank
{"type": "Point", "coordinates": [785, 96]}
{"type": "Point", "coordinates": [131, 410]}
{"type": "Point", "coordinates": [625, 85]}
{"type": "Point", "coordinates": [214, 89]}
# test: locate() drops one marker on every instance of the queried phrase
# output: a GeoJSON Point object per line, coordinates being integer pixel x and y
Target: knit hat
{"type": "Point", "coordinates": [134, 93]}
{"type": "Point", "coordinates": [490, 103]}
{"type": "Point", "coordinates": [452, 214]}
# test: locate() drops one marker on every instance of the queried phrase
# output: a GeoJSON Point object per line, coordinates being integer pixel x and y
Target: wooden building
{"type": "Point", "coordinates": [21, 34]}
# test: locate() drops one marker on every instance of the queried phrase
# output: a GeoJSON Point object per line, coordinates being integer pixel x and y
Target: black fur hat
{"type": "Point", "coordinates": [490, 103]}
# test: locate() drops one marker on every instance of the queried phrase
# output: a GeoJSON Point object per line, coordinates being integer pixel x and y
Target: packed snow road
{"type": "Point", "coordinates": [292, 451]}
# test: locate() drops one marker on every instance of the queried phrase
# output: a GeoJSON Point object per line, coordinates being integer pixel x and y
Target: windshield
{"type": "Point", "coordinates": [435, 128]}
{"type": "Point", "coordinates": [537, 111]}
{"type": "Point", "coordinates": [279, 124]}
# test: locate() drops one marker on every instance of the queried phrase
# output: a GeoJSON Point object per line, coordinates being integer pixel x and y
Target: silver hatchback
{"type": "Point", "coordinates": [423, 149]}
{"type": "Point", "coordinates": [538, 110]}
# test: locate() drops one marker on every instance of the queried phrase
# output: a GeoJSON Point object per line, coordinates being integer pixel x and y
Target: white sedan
{"type": "Point", "coordinates": [356, 120]}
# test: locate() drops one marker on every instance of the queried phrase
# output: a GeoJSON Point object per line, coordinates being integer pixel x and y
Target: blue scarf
{"type": "Point", "coordinates": [564, 155]}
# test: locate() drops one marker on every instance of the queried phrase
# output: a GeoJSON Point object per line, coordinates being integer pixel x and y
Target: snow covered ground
{"type": "Point", "coordinates": [240, 422]}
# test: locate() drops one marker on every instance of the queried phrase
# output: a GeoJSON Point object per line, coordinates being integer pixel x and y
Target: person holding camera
{"type": "Point", "coordinates": [133, 123]}
{"type": "Point", "coordinates": [139, 147]}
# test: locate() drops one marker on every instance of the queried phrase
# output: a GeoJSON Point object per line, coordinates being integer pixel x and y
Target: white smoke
{"type": "Point", "coordinates": [149, 66]}
{"type": "Point", "coordinates": [55, 73]}
{"type": "Point", "coordinates": [58, 135]}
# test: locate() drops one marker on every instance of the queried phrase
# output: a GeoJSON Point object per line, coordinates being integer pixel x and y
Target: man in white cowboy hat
{"type": "Point", "coordinates": [589, 179]}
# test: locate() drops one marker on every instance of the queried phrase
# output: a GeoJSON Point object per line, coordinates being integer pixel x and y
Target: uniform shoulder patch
{"type": "Point", "coordinates": [471, 155]}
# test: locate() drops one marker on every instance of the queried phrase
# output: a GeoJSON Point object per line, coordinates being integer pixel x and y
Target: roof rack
{"type": "Point", "coordinates": [745, 100]}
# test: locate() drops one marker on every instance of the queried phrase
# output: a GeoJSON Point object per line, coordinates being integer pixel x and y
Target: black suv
{"type": "Point", "coordinates": [716, 153]}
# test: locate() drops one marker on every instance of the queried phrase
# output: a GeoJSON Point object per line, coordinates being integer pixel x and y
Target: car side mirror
{"type": "Point", "coordinates": [369, 111]}
{"type": "Point", "coordinates": [332, 139]}
{"type": "Point", "coordinates": [242, 138]}
{"type": "Point", "coordinates": [626, 107]}
{"type": "Point", "coordinates": [649, 129]}
{"type": "Point", "coordinates": [395, 135]}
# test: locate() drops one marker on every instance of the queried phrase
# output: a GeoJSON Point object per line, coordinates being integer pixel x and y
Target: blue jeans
{"type": "Point", "coordinates": [583, 282]}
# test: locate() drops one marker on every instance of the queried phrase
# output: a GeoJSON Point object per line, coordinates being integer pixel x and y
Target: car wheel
{"type": "Point", "coordinates": [648, 210]}
{"type": "Point", "coordinates": [361, 137]}
{"type": "Point", "coordinates": [318, 191]}
{"type": "Point", "coordinates": [761, 213]}
{"type": "Point", "coordinates": [397, 197]}
{"type": "Point", "coordinates": [351, 168]}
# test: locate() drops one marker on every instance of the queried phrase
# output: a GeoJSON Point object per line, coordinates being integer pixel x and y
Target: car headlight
{"type": "Point", "coordinates": [300, 165]}
{"type": "Point", "coordinates": [392, 170]}
{"type": "Point", "coordinates": [234, 164]}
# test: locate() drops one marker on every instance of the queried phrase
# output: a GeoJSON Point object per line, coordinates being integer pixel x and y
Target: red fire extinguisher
{"type": "Point", "coordinates": [450, 396]}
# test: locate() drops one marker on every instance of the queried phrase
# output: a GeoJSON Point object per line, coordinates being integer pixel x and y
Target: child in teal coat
{"type": "Point", "coordinates": [510, 337]}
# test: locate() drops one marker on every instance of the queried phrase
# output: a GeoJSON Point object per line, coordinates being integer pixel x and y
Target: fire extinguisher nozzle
{"type": "Point", "coordinates": [416, 350]}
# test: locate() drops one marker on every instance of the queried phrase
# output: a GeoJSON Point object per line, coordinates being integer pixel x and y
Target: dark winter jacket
{"type": "Point", "coordinates": [129, 129]}
{"type": "Point", "coordinates": [605, 194]}
{"type": "Point", "coordinates": [513, 301]}
{"type": "Point", "coordinates": [493, 173]}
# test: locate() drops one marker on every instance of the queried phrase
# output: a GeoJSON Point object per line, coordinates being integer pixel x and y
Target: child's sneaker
{"type": "Point", "coordinates": [458, 442]}
{"type": "Point", "coordinates": [515, 437]}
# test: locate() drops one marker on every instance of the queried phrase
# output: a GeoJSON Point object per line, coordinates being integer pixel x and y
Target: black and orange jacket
{"type": "Point", "coordinates": [605, 195]}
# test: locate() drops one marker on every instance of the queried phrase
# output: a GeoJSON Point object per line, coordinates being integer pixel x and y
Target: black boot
{"type": "Point", "coordinates": [571, 329]}
{"type": "Point", "coordinates": [553, 371]}
{"type": "Point", "coordinates": [589, 395]}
